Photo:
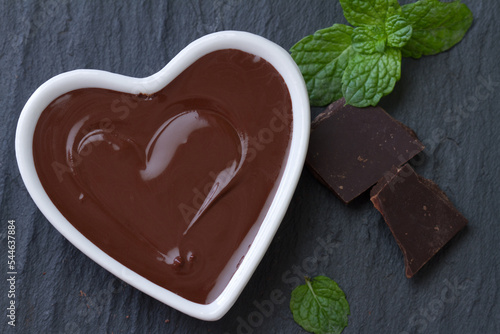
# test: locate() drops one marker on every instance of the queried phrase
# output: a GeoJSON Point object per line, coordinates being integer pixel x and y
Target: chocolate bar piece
{"type": "Point", "coordinates": [351, 148]}
{"type": "Point", "coordinates": [419, 214]}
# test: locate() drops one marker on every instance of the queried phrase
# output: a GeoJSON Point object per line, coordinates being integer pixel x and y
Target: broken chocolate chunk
{"type": "Point", "coordinates": [351, 148]}
{"type": "Point", "coordinates": [419, 214]}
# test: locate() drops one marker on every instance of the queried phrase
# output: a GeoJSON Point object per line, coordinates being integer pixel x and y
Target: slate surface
{"type": "Point", "coordinates": [451, 100]}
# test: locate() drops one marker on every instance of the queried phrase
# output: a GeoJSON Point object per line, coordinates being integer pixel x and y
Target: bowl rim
{"type": "Point", "coordinates": [86, 78]}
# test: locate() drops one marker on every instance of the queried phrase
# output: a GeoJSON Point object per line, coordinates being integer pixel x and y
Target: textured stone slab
{"type": "Point", "coordinates": [451, 100]}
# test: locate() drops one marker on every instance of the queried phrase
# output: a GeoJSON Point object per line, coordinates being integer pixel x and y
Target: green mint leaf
{"type": "Point", "coordinates": [322, 59]}
{"type": "Point", "coordinates": [368, 39]}
{"type": "Point", "coordinates": [369, 77]}
{"type": "Point", "coordinates": [437, 26]}
{"type": "Point", "coordinates": [398, 31]}
{"type": "Point", "coordinates": [320, 306]}
{"type": "Point", "coordinates": [369, 12]}
{"type": "Point", "coordinates": [363, 64]}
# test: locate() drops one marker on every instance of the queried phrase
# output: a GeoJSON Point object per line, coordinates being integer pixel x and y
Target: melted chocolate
{"type": "Point", "coordinates": [173, 185]}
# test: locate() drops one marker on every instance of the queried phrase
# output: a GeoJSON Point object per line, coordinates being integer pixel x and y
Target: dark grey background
{"type": "Point", "coordinates": [451, 100]}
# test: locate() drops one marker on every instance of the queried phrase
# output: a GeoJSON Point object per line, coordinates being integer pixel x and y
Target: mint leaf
{"type": "Point", "coordinates": [363, 64]}
{"type": "Point", "coordinates": [369, 77]}
{"type": "Point", "coordinates": [398, 31]}
{"type": "Point", "coordinates": [369, 12]}
{"type": "Point", "coordinates": [320, 306]}
{"type": "Point", "coordinates": [322, 59]}
{"type": "Point", "coordinates": [368, 39]}
{"type": "Point", "coordinates": [437, 26]}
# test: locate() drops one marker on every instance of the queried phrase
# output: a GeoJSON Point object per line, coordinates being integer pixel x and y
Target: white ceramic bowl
{"type": "Point", "coordinates": [69, 81]}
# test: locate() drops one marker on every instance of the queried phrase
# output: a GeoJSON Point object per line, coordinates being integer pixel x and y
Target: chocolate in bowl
{"type": "Point", "coordinates": [143, 90]}
{"type": "Point", "coordinates": [170, 184]}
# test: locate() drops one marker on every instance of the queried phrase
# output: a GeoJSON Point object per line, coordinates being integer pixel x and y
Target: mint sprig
{"type": "Point", "coordinates": [320, 306]}
{"type": "Point", "coordinates": [362, 64]}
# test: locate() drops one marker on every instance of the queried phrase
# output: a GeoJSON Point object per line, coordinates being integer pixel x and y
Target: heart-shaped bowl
{"type": "Point", "coordinates": [69, 81]}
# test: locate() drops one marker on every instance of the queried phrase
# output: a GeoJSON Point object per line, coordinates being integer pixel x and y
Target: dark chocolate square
{"type": "Point", "coordinates": [419, 214]}
{"type": "Point", "coordinates": [351, 148]}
